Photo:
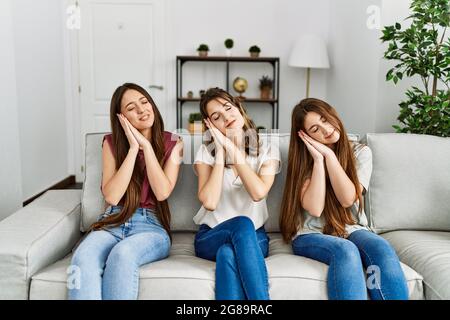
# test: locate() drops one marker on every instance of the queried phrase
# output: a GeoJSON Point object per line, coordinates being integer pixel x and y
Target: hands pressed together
{"type": "Point", "coordinates": [318, 150]}
{"type": "Point", "coordinates": [136, 140]}
{"type": "Point", "coordinates": [221, 142]}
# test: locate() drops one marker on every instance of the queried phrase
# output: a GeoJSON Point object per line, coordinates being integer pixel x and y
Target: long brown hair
{"type": "Point", "coordinates": [121, 146]}
{"type": "Point", "coordinates": [300, 164]}
{"type": "Point", "coordinates": [215, 93]}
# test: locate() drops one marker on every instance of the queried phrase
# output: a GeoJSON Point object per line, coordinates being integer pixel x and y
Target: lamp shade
{"type": "Point", "coordinates": [309, 51]}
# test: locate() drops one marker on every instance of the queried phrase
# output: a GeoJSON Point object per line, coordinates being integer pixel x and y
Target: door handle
{"type": "Point", "coordinates": [155, 87]}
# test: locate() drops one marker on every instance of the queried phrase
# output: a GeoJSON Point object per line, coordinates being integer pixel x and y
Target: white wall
{"type": "Point", "coordinates": [357, 84]}
{"type": "Point", "coordinates": [39, 62]}
{"type": "Point", "coordinates": [10, 169]}
{"type": "Point", "coordinates": [354, 58]}
{"type": "Point", "coordinates": [390, 95]}
{"type": "Point", "coordinates": [273, 25]}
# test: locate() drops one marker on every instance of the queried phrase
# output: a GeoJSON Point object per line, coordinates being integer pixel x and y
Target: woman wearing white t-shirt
{"type": "Point", "coordinates": [235, 172]}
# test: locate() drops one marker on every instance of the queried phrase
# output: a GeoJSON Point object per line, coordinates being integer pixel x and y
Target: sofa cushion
{"type": "Point", "coordinates": [410, 183]}
{"type": "Point", "coordinates": [184, 276]}
{"type": "Point", "coordinates": [92, 202]}
{"type": "Point", "coordinates": [36, 236]}
{"type": "Point", "coordinates": [428, 252]}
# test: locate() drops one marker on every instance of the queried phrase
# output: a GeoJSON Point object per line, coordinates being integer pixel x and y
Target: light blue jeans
{"type": "Point", "coordinates": [107, 262]}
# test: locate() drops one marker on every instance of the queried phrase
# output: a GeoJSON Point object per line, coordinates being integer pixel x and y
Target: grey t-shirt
{"type": "Point", "coordinates": [363, 156]}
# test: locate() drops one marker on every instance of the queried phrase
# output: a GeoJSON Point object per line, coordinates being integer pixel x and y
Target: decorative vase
{"type": "Point", "coordinates": [254, 54]}
{"type": "Point", "coordinates": [195, 127]}
{"type": "Point", "coordinates": [266, 93]}
{"type": "Point", "coordinates": [203, 53]}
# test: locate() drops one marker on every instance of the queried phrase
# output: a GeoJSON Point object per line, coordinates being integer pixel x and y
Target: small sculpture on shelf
{"type": "Point", "coordinates": [240, 85]}
{"type": "Point", "coordinates": [254, 51]}
{"type": "Point", "coordinates": [229, 43]}
{"type": "Point", "coordinates": [265, 85]}
{"type": "Point", "coordinates": [203, 50]}
{"type": "Point", "coordinates": [195, 123]}
{"type": "Point", "coordinates": [190, 94]}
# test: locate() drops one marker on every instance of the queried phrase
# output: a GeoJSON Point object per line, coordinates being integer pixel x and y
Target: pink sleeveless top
{"type": "Point", "coordinates": [148, 199]}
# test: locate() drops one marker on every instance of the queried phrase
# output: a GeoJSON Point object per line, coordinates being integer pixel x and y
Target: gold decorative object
{"type": "Point", "coordinates": [240, 85]}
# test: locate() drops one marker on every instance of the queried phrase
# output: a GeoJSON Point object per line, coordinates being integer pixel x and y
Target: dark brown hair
{"type": "Point", "coordinates": [121, 146]}
{"type": "Point", "coordinates": [300, 164]}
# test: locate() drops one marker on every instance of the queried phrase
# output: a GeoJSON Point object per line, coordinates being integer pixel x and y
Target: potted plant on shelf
{"type": "Point", "coordinates": [195, 122]}
{"type": "Point", "coordinates": [254, 51]}
{"type": "Point", "coordinates": [229, 43]}
{"type": "Point", "coordinates": [203, 50]}
{"type": "Point", "coordinates": [422, 50]}
{"type": "Point", "coordinates": [265, 85]}
{"type": "Point", "coordinates": [261, 129]}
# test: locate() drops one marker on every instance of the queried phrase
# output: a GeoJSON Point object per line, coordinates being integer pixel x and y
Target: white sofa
{"type": "Point", "coordinates": [408, 203]}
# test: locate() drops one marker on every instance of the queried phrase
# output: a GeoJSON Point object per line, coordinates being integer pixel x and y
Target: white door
{"type": "Point", "coordinates": [119, 41]}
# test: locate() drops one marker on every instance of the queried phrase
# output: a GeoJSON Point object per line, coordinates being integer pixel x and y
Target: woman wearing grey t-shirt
{"type": "Point", "coordinates": [322, 209]}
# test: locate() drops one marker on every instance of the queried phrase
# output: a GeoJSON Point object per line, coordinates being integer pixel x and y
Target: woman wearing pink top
{"type": "Point", "coordinates": [140, 168]}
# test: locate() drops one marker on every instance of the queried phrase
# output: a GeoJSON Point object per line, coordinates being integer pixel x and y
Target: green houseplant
{"type": "Point", "coordinates": [422, 50]}
{"type": "Point", "coordinates": [203, 50]}
{"type": "Point", "coordinates": [254, 51]}
{"type": "Point", "coordinates": [229, 43]}
{"type": "Point", "coordinates": [195, 122]}
{"type": "Point", "coordinates": [265, 85]}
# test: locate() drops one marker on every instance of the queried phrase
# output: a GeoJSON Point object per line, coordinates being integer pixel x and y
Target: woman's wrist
{"type": "Point", "coordinates": [319, 160]}
{"type": "Point", "coordinates": [330, 155]}
{"type": "Point", "coordinates": [220, 156]}
{"type": "Point", "coordinates": [133, 150]}
{"type": "Point", "coordinates": [147, 146]}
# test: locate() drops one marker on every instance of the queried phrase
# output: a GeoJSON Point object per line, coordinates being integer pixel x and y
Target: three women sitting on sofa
{"type": "Point", "coordinates": [322, 209]}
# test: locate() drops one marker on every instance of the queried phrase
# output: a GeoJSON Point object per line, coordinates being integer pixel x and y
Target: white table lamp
{"type": "Point", "coordinates": [309, 52]}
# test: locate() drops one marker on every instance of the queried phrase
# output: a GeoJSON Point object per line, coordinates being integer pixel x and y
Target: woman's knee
{"type": "Point", "coordinates": [121, 253]}
{"type": "Point", "coordinates": [346, 252]}
{"type": "Point", "coordinates": [88, 253]}
{"type": "Point", "coordinates": [380, 247]}
{"type": "Point", "coordinates": [225, 253]}
{"type": "Point", "coordinates": [243, 223]}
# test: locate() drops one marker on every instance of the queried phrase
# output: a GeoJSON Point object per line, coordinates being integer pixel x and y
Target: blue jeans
{"type": "Point", "coordinates": [107, 261]}
{"type": "Point", "coordinates": [347, 259]}
{"type": "Point", "coordinates": [239, 252]}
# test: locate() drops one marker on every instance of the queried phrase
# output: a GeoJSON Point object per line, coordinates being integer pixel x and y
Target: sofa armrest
{"type": "Point", "coordinates": [35, 237]}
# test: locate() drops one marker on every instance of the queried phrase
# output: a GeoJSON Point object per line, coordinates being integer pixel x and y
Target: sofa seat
{"type": "Point", "coordinates": [427, 252]}
{"type": "Point", "coordinates": [184, 276]}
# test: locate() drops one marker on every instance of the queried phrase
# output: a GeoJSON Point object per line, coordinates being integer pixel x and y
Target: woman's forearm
{"type": "Point", "coordinates": [313, 199]}
{"type": "Point", "coordinates": [254, 185]}
{"type": "Point", "coordinates": [210, 193]}
{"type": "Point", "coordinates": [160, 184]}
{"type": "Point", "coordinates": [343, 187]}
{"type": "Point", "coordinates": [116, 187]}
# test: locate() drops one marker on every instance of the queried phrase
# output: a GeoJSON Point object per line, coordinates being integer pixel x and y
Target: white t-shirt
{"type": "Point", "coordinates": [312, 224]}
{"type": "Point", "coordinates": [235, 200]}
